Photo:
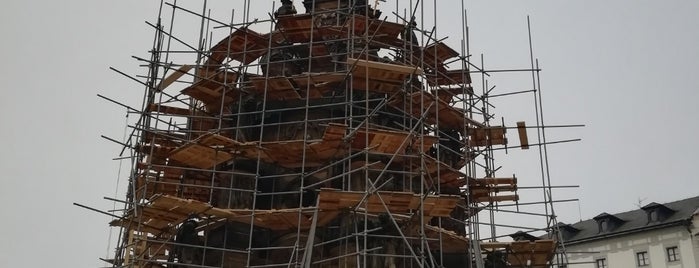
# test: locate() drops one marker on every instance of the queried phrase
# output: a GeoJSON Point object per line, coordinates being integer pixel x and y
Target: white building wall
{"type": "Point", "coordinates": [621, 251]}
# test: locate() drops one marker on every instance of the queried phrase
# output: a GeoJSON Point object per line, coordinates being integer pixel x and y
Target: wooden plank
{"type": "Point", "coordinates": [333, 199]}
{"type": "Point", "coordinates": [165, 211]}
{"type": "Point", "coordinates": [439, 51]}
{"type": "Point", "coordinates": [546, 245]}
{"type": "Point", "coordinates": [518, 260]}
{"type": "Point", "coordinates": [439, 207]}
{"type": "Point", "coordinates": [300, 28]}
{"type": "Point", "coordinates": [318, 79]}
{"type": "Point", "coordinates": [397, 202]}
{"type": "Point", "coordinates": [380, 66]}
{"type": "Point", "coordinates": [276, 88]}
{"type": "Point", "coordinates": [215, 89]}
{"type": "Point", "coordinates": [295, 22]}
{"type": "Point", "coordinates": [199, 156]}
{"type": "Point", "coordinates": [496, 198]}
{"type": "Point", "coordinates": [173, 77]}
{"type": "Point", "coordinates": [495, 245]}
{"type": "Point", "coordinates": [275, 219]}
{"type": "Point", "coordinates": [485, 190]}
{"type": "Point", "coordinates": [301, 35]}
{"type": "Point", "coordinates": [494, 189]}
{"type": "Point", "coordinates": [522, 131]}
{"type": "Point", "coordinates": [487, 136]}
{"type": "Point", "coordinates": [243, 45]}
{"type": "Point", "coordinates": [317, 84]}
{"type": "Point", "coordinates": [218, 141]}
{"type": "Point", "coordinates": [433, 57]}
{"type": "Point", "coordinates": [390, 142]}
{"type": "Point", "coordinates": [490, 180]}
{"type": "Point", "coordinates": [169, 110]}
{"type": "Point", "coordinates": [382, 33]}
{"type": "Point", "coordinates": [289, 153]}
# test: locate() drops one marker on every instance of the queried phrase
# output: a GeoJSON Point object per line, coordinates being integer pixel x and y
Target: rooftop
{"type": "Point", "coordinates": [666, 215]}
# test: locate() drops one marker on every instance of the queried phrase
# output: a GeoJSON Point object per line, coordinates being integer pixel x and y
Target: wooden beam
{"type": "Point", "coordinates": [402, 69]}
{"type": "Point", "coordinates": [489, 180]}
{"type": "Point", "coordinates": [169, 110]}
{"type": "Point", "coordinates": [523, 139]}
{"type": "Point", "coordinates": [173, 77]}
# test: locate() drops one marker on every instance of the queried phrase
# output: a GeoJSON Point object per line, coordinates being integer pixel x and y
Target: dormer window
{"type": "Point", "coordinates": [607, 223]}
{"type": "Point", "coordinates": [567, 231]}
{"type": "Point", "coordinates": [656, 212]}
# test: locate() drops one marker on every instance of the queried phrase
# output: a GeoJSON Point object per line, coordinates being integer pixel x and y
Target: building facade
{"type": "Point", "coordinates": [656, 235]}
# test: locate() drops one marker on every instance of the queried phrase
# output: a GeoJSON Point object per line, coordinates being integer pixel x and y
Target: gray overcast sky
{"type": "Point", "coordinates": [626, 69]}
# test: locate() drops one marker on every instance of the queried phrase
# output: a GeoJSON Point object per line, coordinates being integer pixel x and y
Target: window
{"type": "Point", "coordinates": [653, 216]}
{"type": "Point", "coordinates": [601, 263]}
{"type": "Point", "coordinates": [673, 254]}
{"type": "Point", "coordinates": [604, 225]}
{"type": "Point", "coordinates": [642, 258]}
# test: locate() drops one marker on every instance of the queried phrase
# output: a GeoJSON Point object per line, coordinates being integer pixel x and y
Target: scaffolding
{"type": "Point", "coordinates": [328, 138]}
